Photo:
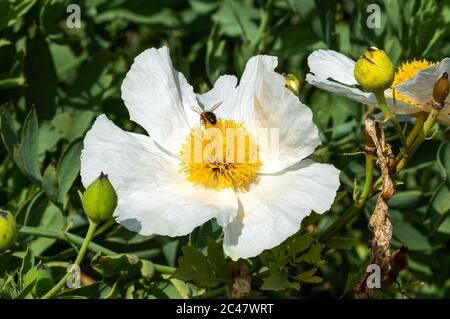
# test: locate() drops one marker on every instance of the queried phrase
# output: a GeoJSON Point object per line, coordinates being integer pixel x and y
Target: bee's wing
{"type": "Point", "coordinates": [215, 106]}
{"type": "Point", "coordinates": [196, 109]}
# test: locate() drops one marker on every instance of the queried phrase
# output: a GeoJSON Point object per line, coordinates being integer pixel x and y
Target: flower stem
{"type": "Point", "coordinates": [354, 209]}
{"type": "Point", "coordinates": [431, 120]}
{"type": "Point", "coordinates": [420, 120]}
{"type": "Point", "coordinates": [81, 253]}
{"type": "Point", "coordinates": [64, 236]}
{"type": "Point", "coordinates": [164, 269]}
{"type": "Point", "coordinates": [390, 117]}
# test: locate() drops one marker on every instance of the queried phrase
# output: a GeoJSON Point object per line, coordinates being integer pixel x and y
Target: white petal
{"type": "Point", "coordinates": [352, 93]}
{"type": "Point", "coordinates": [157, 98]}
{"type": "Point", "coordinates": [283, 125]}
{"type": "Point", "coordinates": [399, 107]}
{"type": "Point", "coordinates": [273, 209]}
{"type": "Point", "coordinates": [329, 64]}
{"type": "Point", "coordinates": [420, 87]}
{"type": "Point", "coordinates": [224, 91]}
{"type": "Point", "coordinates": [153, 198]}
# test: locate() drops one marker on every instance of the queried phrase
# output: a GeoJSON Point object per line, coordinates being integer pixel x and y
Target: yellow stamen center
{"type": "Point", "coordinates": [224, 155]}
{"type": "Point", "coordinates": [405, 72]}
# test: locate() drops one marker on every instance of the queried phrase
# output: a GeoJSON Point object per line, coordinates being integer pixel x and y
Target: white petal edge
{"type": "Point", "coordinates": [274, 208]}
{"type": "Point", "coordinates": [153, 198]}
{"type": "Point", "coordinates": [420, 87]}
{"type": "Point", "coordinates": [282, 124]}
{"type": "Point", "coordinates": [158, 97]}
{"type": "Point", "coordinates": [351, 93]}
{"type": "Point", "coordinates": [329, 64]}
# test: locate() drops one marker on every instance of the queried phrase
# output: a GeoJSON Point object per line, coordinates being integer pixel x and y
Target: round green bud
{"type": "Point", "coordinates": [100, 199]}
{"type": "Point", "coordinates": [42, 278]}
{"type": "Point", "coordinates": [8, 230]}
{"type": "Point", "coordinates": [374, 70]}
{"type": "Point", "coordinates": [292, 83]}
{"type": "Point", "coordinates": [147, 269]}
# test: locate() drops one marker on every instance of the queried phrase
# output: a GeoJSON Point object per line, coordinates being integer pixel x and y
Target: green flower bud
{"type": "Point", "coordinates": [8, 230]}
{"type": "Point", "coordinates": [100, 199]}
{"type": "Point", "coordinates": [292, 83]}
{"type": "Point", "coordinates": [42, 278]}
{"type": "Point", "coordinates": [374, 70]}
{"type": "Point", "coordinates": [147, 269]}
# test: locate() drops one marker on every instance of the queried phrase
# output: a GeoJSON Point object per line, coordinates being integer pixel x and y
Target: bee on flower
{"type": "Point", "coordinates": [259, 200]}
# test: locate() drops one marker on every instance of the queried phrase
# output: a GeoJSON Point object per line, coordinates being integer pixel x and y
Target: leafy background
{"type": "Point", "coordinates": [54, 81]}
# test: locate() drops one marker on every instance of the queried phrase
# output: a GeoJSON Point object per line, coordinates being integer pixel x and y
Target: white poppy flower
{"type": "Point", "coordinates": [160, 192]}
{"type": "Point", "coordinates": [413, 84]}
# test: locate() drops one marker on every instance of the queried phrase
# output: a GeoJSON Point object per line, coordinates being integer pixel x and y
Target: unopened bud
{"type": "Point", "coordinates": [374, 71]}
{"type": "Point", "coordinates": [292, 83]}
{"type": "Point", "coordinates": [440, 91]}
{"type": "Point", "coordinates": [100, 199]}
{"type": "Point", "coordinates": [42, 278]}
{"type": "Point", "coordinates": [8, 230]}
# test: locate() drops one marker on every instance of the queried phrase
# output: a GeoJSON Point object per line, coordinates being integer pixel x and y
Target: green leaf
{"type": "Point", "coordinates": [50, 184]}
{"type": "Point", "coordinates": [27, 264]}
{"type": "Point", "coordinates": [69, 167]}
{"type": "Point", "coordinates": [439, 206]}
{"type": "Point", "coordinates": [216, 258]}
{"type": "Point", "coordinates": [443, 160]}
{"type": "Point", "coordinates": [109, 266]}
{"type": "Point", "coordinates": [342, 243]}
{"type": "Point", "coordinates": [277, 280]}
{"type": "Point", "coordinates": [406, 200]}
{"type": "Point", "coordinates": [41, 76]}
{"type": "Point", "coordinates": [13, 10]}
{"type": "Point", "coordinates": [312, 256]}
{"type": "Point", "coordinates": [9, 137]}
{"type": "Point", "coordinates": [26, 290]}
{"type": "Point", "coordinates": [194, 267]}
{"type": "Point", "coordinates": [408, 235]}
{"type": "Point", "coordinates": [10, 83]}
{"type": "Point", "coordinates": [51, 218]}
{"type": "Point", "coordinates": [96, 290]}
{"type": "Point", "coordinates": [26, 153]}
{"type": "Point", "coordinates": [301, 243]}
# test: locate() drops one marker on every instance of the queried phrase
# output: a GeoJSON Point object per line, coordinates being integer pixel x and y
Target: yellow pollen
{"type": "Point", "coordinates": [405, 72]}
{"type": "Point", "coordinates": [224, 155]}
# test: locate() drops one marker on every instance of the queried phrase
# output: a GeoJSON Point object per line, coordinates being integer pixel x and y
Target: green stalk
{"type": "Point", "coordinates": [390, 117]}
{"type": "Point", "coordinates": [64, 236]}
{"type": "Point", "coordinates": [164, 269]}
{"type": "Point", "coordinates": [420, 120]}
{"type": "Point", "coordinates": [81, 253]}
{"type": "Point", "coordinates": [354, 209]}
{"type": "Point", "coordinates": [431, 120]}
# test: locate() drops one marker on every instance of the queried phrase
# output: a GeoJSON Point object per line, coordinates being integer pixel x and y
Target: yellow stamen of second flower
{"type": "Point", "coordinates": [405, 72]}
{"type": "Point", "coordinates": [224, 155]}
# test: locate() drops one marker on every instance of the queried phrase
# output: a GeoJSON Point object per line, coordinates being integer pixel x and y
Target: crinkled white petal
{"type": "Point", "coordinates": [283, 125]}
{"type": "Point", "coordinates": [224, 90]}
{"type": "Point", "coordinates": [420, 87]}
{"type": "Point", "coordinates": [153, 197]}
{"type": "Point", "coordinates": [158, 97]}
{"type": "Point", "coordinates": [329, 64]}
{"type": "Point", "coordinates": [274, 208]}
{"type": "Point", "coordinates": [353, 93]}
